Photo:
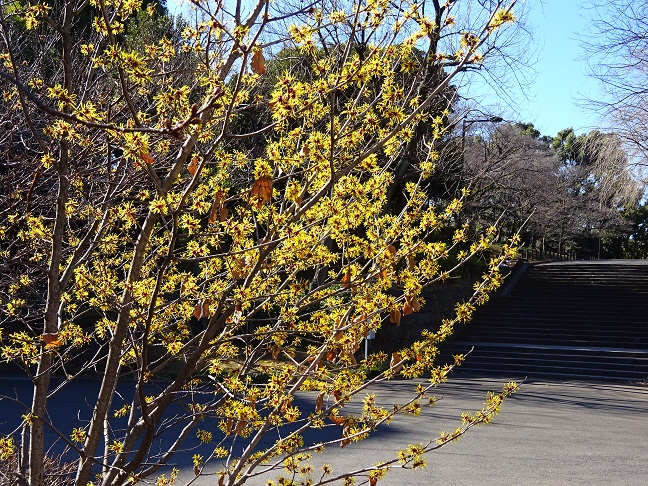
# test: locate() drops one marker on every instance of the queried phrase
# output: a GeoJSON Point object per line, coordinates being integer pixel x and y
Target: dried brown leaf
{"type": "Point", "coordinates": [258, 63]}
{"type": "Point", "coordinates": [407, 309]}
{"type": "Point", "coordinates": [261, 192]}
{"type": "Point", "coordinates": [415, 304]}
{"type": "Point", "coordinates": [217, 206]}
{"type": "Point", "coordinates": [411, 263]}
{"type": "Point", "coordinates": [395, 317]}
{"type": "Point", "coordinates": [197, 312]}
{"type": "Point", "coordinates": [193, 165]}
{"type": "Point", "coordinates": [240, 425]}
{"type": "Point", "coordinates": [223, 214]}
{"type": "Point", "coordinates": [202, 309]}
{"type": "Point", "coordinates": [51, 340]}
{"type": "Point", "coordinates": [395, 363]}
{"type": "Point", "coordinates": [336, 419]}
{"type": "Point", "coordinates": [319, 402]}
{"type": "Point", "coordinates": [346, 279]}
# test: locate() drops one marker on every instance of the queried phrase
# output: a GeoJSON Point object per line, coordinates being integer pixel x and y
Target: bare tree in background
{"type": "Point", "coordinates": [568, 187]}
{"type": "Point", "coordinates": [617, 54]}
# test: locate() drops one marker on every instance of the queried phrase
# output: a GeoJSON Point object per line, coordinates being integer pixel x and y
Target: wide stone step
{"type": "Point", "coordinates": [576, 319]}
{"type": "Point", "coordinates": [567, 328]}
{"type": "Point", "coordinates": [522, 314]}
{"type": "Point", "coordinates": [563, 295]}
{"type": "Point", "coordinates": [538, 323]}
{"type": "Point", "coordinates": [563, 361]}
{"type": "Point", "coordinates": [620, 342]}
{"type": "Point", "coordinates": [575, 327]}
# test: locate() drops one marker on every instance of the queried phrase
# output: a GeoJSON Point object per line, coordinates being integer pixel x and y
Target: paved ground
{"type": "Point", "coordinates": [594, 262]}
{"type": "Point", "coordinates": [549, 433]}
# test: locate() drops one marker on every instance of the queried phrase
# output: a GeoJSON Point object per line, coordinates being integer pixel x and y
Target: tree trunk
{"type": "Point", "coordinates": [37, 427]}
{"type": "Point", "coordinates": [50, 325]}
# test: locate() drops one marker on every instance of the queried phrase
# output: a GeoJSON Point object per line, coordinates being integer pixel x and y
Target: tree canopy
{"type": "Point", "coordinates": [568, 189]}
{"type": "Point", "coordinates": [617, 50]}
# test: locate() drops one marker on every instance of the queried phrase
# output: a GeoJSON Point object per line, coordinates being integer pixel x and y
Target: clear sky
{"type": "Point", "coordinates": [551, 100]}
{"type": "Point", "coordinates": [560, 79]}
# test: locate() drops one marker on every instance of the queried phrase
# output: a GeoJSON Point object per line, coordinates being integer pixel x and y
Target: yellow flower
{"type": "Point", "coordinates": [78, 435]}
{"type": "Point", "coordinates": [501, 17]}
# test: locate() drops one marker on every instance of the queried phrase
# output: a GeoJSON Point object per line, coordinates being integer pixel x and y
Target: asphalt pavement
{"type": "Point", "coordinates": [549, 433]}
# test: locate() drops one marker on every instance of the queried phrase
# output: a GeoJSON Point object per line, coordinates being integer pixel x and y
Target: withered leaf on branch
{"type": "Point", "coordinates": [228, 426]}
{"type": "Point", "coordinates": [258, 63]}
{"type": "Point", "coordinates": [346, 279]}
{"type": "Point", "coordinates": [411, 305]}
{"type": "Point", "coordinates": [346, 431]}
{"type": "Point", "coordinates": [217, 206]}
{"type": "Point", "coordinates": [51, 340]}
{"type": "Point", "coordinates": [237, 315]}
{"type": "Point", "coordinates": [395, 317]}
{"type": "Point", "coordinates": [407, 309]}
{"type": "Point", "coordinates": [338, 335]}
{"type": "Point", "coordinates": [395, 363]}
{"type": "Point", "coordinates": [284, 406]}
{"type": "Point", "coordinates": [337, 419]}
{"type": "Point", "coordinates": [198, 312]}
{"type": "Point", "coordinates": [213, 214]}
{"type": "Point", "coordinates": [312, 364]}
{"type": "Point", "coordinates": [319, 402]}
{"type": "Point", "coordinates": [261, 192]}
{"type": "Point", "coordinates": [193, 165]}
{"type": "Point", "coordinates": [414, 303]}
{"type": "Point", "coordinates": [240, 425]}
{"type": "Point", "coordinates": [202, 309]}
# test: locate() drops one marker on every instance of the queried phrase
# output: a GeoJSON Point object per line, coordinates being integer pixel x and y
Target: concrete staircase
{"type": "Point", "coordinates": [563, 320]}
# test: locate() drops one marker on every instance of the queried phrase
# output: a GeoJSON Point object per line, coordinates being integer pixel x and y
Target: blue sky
{"type": "Point", "coordinates": [550, 101]}
{"type": "Point", "coordinates": [560, 79]}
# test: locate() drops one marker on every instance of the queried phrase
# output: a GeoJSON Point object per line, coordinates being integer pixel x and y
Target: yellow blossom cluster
{"type": "Point", "coordinates": [237, 235]}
